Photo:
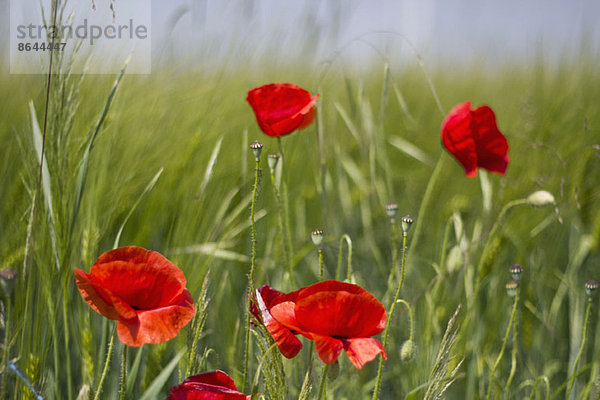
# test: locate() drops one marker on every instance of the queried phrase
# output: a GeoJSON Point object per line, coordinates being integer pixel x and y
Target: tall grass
{"type": "Point", "coordinates": [378, 141]}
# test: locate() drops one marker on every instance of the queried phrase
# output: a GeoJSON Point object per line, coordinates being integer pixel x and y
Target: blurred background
{"type": "Point", "coordinates": [311, 31]}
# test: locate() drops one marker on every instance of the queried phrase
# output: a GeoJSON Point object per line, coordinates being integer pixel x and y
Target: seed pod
{"type": "Point", "coordinates": [256, 148]}
{"type": "Point", "coordinates": [511, 288]}
{"type": "Point", "coordinates": [272, 160]}
{"type": "Point", "coordinates": [407, 221]}
{"type": "Point", "coordinates": [391, 209]}
{"type": "Point", "coordinates": [516, 271]}
{"type": "Point", "coordinates": [317, 237]}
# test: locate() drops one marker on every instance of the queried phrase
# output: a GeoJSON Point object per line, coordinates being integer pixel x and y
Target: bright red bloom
{"type": "Point", "coordinates": [215, 385]}
{"type": "Point", "coordinates": [281, 108]}
{"type": "Point", "coordinates": [140, 289]}
{"type": "Point", "coordinates": [336, 315]}
{"type": "Point", "coordinates": [473, 138]}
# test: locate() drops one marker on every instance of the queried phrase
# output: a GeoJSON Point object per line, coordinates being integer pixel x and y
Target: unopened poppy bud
{"type": "Point", "coordinates": [256, 148]}
{"type": "Point", "coordinates": [317, 237]}
{"type": "Point", "coordinates": [590, 288]}
{"type": "Point", "coordinates": [406, 223]}
{"type": "Point", "coordinates": [407, 351]}
{"type": "Point", "coordinates": [273, 159]}
{"type": "Point", "coordinates": [511, 288]}
{"type": "Point", "coordinates": [541, 198]}
{"type": "Point", "coordinates": [516, 271]}
{"type": "Point", "coordinates": [391, 209]}
{"type": "Point", "coordinates": [333, 371]}
{"type": "Point", "coordinates": [8, 279]}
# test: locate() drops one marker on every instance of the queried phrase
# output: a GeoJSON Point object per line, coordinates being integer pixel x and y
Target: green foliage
{"type": "Point", "coordinates": [378, 141]}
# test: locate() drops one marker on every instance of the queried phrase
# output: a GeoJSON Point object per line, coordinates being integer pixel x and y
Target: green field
{"type": "Point", "coordinates": [377, 139]}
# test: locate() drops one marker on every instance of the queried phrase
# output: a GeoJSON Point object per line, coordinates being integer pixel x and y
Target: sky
{"type": "Point", "coordinates": [485, 30]}
{"type": "Point", "coordinates": [216, 32]}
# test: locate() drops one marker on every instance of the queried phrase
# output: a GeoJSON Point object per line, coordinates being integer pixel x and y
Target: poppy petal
{"type": "Point", "coordinates": [139, 255]}
{"type": "Point", "coordinates": [98, 299]}
{"type": "Point", "coordinates": [217, 378]}
{"type": "Point", "coordinates": [289, 345]}
{"type": "Point", "coordinates": [362, 350]}
{"type": "Point", "coordinates": [457, 137]}
{"type": "Point", "coordinates": [146, 281]}
{"type": "Point", "coordinates": [308, 118]}
{"type": "Point", "coordinates": [492, 146]}
{"type": "Point", "coordinates": [202, 391]}
{"type": "Point", "coordinates": [328, 348]}
{"type": "Point", "coordinates": [340, 313]}
{"type": "Point", "coordinates": [157, 325]}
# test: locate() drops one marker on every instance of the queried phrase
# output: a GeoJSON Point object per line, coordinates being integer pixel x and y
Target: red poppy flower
{"type": "Point", "coordinates": [473, 138]}
{"type": "Point", "coordinates": [281, 108]}
{"type": "Point", "coordinates": [336, 315]}
{"type": "Point", "coordinates": [215, 385]}
{"type": "Point", "coordinates": [140, 289]}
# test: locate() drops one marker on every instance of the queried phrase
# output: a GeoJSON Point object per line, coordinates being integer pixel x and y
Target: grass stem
{"type": "Point", "coordinates": [583, 338]}
{"type": "Point", "coordinates": [323, 385]}
{"type": "Point", "coordinates": [499, 358]}
{"type": "Point", "coordinates": [389, 320]}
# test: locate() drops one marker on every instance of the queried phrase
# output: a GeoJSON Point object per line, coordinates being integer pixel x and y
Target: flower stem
{"type": "Point", "coordinates": [338, 272]}
{"type": "Point", "coordinates": [390, 315]}
{"type": "Point", "coordinates": [106, 365]}
{"type": "Point", "coordinates": [323, 385]}
{"type": "Point", "coordinates": [394, 269]}
{"type": "Point", "coordinates": [321, 265]}
{"type": "Point", "coordinates": [251, 274]}
{"type": "Point", "coordinates": [513, 358]}
{"type": "Point", "coordinates": [123, 373]}
{"type": "Point", "coordinates": [410, 317]}
{"type": "Point", "coordinates": [583, 338]}
{"type": "Point", "coordinates": [510, 324]}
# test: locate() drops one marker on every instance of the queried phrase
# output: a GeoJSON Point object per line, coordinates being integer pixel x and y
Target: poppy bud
{"type": "Point", "coordinates": [391, 209]}
{"type": "Point", "coordinates": [273, 159]}
{"type": "Point", "coordinates": [516, 271]}
{"type": "Point", "coordinates": [317, 237]}
{"type": "Point", "coordinates": [541, 198]}
{"type": "Point", "coordinates": [256, 148]}
{"type": "Point", "coordinates": [406, 223]}
{"type": "Point", "coordinates": [333, 371]}
{"type": "Point", "coordinates": [590, 288]}
{"type": "Point", "coordinates": [407, 351]}
{"type": "Point", "coordinates": [8, 279]}
{"type": "Point", "coordinates": [511, 288]}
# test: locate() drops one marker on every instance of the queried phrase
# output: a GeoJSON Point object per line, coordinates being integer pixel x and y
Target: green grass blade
{"type": "Point", "coordinates": [158, 383]}
{"type": "Point", "coordinates": [137, 202]}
